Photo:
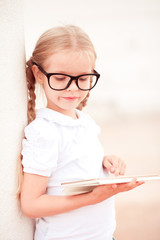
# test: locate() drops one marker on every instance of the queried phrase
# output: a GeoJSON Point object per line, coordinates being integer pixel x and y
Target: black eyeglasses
{"type": "Point", "coordinates": [59, 81]}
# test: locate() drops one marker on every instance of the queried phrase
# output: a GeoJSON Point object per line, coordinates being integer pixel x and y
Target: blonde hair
{"type": "Point", "coordinates": [52, 41]}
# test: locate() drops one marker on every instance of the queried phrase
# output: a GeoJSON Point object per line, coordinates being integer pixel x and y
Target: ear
{"type": "Point", "coordinates": [38, 74]}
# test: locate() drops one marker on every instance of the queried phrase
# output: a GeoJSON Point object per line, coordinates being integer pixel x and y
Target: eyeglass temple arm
{"type": "Point", "coordinates": [40, 68]}
{"type": "Point", "coordinates": [98, 75]}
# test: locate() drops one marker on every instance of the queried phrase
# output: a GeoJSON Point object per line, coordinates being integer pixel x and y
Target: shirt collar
{"type": "Point", "coordinates": [60, 118]}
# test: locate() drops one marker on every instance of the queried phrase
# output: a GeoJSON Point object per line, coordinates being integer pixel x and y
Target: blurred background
{"type": "Point", "coordinates": [126, 100]}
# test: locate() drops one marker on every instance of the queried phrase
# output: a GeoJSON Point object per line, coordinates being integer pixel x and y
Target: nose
{"type": "Point", "coordinates": [73, 86]}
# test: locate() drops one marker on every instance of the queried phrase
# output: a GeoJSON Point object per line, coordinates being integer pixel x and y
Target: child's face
{"type": "Point", "coordinates": [71, 63]}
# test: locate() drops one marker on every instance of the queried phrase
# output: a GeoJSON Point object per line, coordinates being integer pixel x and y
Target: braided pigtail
{"type": "Point", "coordinates": [31, 91]}
{"type": "Point", "coordinates": [84, 102]}
{"type": "Point", "coordinates": [31, 116]}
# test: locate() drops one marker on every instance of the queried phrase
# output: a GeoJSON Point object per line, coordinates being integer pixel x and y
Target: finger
{"type": "Point", "coordinates": [123, 168]}
{"type": "Point", "coordinates": [134, 183]}
{"type": "Point", "coordinates": [112, 163]}
{"type": "Point", "coordinates": [115, 165]}
{"type": "Point", "coordinates": [119, 167]}
{"type": "Point", "coordinates": [108, 166]}
{"type": "Point", "coordinates": [137, 184]}
{"type": "Point", "coordinates": [116, 172]}
{"type": "Point", "coordinates": [114, 186]}
{"type": "Point", "coordinates": [123, 187]}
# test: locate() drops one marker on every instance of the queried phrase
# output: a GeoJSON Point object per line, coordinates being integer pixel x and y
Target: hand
{"type": "Point", "coordinates": [114, 165]}
{"type": "Point", "coordinates": [101, 193]}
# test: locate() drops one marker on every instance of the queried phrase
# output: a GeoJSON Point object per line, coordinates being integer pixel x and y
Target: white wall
{"type": "Point", "coordinates": [13, 102]}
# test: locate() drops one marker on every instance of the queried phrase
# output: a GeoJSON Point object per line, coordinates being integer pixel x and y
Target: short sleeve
{"type": "Point", "coordinates": [40, 148]}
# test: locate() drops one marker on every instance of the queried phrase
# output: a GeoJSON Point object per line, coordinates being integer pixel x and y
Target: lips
{"type": "Point", "coordinates": [70, 98]}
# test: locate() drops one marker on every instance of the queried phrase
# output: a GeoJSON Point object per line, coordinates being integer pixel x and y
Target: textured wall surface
{"type": "Point", "coordinates": [13, 98]}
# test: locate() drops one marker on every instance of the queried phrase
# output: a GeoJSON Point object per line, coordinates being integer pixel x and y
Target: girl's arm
{"type": "Point", "coordinates": [36, 203]}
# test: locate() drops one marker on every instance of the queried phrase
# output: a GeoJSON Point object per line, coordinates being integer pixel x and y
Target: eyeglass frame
{"type": "Point", "coordinates": [48, 75]}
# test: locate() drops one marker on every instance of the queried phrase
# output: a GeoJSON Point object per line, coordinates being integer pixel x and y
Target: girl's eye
{"type": "Point", "coordinates": [84, 78]}
{"type": "Point", "coordinates": [60, 78]}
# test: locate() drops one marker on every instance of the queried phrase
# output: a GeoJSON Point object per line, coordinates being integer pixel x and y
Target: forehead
{"type": "Point", "coordinates": [70, 62]}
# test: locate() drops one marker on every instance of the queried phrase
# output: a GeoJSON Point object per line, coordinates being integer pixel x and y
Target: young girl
{"type": "Point", "coordinates": [61, 143]}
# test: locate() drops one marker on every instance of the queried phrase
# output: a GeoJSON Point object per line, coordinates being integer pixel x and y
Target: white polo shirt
{"type": "Point", "coordinates": [65, 149]}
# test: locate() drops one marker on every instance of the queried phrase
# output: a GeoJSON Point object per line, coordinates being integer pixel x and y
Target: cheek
{"type": "Point", "coordinates": [48, 91]}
